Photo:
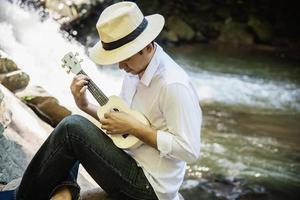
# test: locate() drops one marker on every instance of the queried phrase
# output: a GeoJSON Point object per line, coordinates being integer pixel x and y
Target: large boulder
{"type": "Point", "coordinates": [10, 75]}
{"type": "Point", "coordinates": [44, 105]}
{"type": "Point", "coordinates": [4, 119]}
{"type": "Point", "coordinates": [180, 28]}
{"type": "Point", "coordinates": [169, 36]}
{"type": "Point", "coordinates": [6, 64]}
{"type": "Point", "coordinates": [94, 194]}
{"type": "Point", "coordinates": [21, 135]}
{"type": "Point", "coordinates": [14, 80]}
{"type": "Point", "coordinates": [235, 33]}
{"type": "Point", "coordinates": [262, 28]}
{"type": "Point", "coordinates": [65, 11]}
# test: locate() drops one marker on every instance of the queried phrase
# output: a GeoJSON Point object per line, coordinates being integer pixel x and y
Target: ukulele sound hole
{"type": "Point", "coordinates": [125, 136]}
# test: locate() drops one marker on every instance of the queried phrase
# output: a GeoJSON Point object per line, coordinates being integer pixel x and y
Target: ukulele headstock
{"type": "Point", "coordinates": [71, 62]}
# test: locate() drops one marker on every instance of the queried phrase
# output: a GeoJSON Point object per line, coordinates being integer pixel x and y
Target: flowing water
{"type": "Point", "coordinates": [251, 101]}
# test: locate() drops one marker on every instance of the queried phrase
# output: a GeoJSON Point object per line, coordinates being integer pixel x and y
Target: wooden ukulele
{"type": "Point", "coordinates": [107, 104]}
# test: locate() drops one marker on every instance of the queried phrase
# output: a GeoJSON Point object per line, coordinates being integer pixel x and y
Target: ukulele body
{"type": "Point", "coordinates": [116, 104]}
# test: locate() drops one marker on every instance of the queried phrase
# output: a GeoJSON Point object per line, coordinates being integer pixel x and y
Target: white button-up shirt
{"type": "Point", "coordinates": [167, 98]}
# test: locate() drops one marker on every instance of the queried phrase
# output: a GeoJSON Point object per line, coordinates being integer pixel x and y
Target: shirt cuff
{"type": "Point", "coordinates": [164, 142]}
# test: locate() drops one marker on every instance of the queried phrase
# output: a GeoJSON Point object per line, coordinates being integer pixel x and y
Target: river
{"type": "Point", "coordinates": [251, 102]}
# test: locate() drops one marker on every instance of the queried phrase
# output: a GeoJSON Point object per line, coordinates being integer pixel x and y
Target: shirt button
{"type": "Point", "coordinates": [147, 186]}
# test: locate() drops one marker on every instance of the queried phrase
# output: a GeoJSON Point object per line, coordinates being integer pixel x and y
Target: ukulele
{"type": "Point", "coordinates": [107, 104]}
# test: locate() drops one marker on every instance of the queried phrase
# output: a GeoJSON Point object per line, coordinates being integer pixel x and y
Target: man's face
{"type": "Point", "coordinates": [136, 64]}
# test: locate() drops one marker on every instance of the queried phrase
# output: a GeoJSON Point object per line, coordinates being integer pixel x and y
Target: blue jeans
{"type": "Point", "coordinates": [76, 140]}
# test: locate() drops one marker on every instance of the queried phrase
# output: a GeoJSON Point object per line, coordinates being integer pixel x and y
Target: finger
{"type": "Point", "coordinates": [77, 83]}
{"type": "Point", "coordinates": [107, 115]}
{"type": "Point", "coordinates": [103, 121]}
{"type": "Point", "coordinates": [105, 127]}
{"type": "Point", "coordinates": [80, 77]}
{"type": "Point", "coordinates": [83, 89]}
{"type": "Point", "coordinates": [81, 83]}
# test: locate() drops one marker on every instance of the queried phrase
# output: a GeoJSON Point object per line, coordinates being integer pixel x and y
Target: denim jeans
{"type": "Point", "coordinates": [76, 140]}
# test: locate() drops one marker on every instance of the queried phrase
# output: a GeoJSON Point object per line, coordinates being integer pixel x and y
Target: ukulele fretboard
{"type": "Point", "coordinates": [101, 98]}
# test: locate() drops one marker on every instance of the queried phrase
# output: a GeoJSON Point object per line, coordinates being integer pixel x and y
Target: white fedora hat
{"type": "Point", "coordinates": [123, 32]}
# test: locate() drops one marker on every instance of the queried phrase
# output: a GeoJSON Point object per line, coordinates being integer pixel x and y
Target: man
{"type": "Point", "coordinates": [155, 86]}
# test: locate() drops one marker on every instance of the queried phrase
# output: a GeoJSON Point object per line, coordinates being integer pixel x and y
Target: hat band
{"type": "Point", "coordinates": [128, 38]}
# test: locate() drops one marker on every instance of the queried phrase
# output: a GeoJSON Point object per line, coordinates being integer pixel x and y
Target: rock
{"type": "Point", "coordinates": [15, 80]}
{"type": "Point", "coordinates": [199, 37]}
{"type": "Point", "coordinates": [94, 194]}
{"type": "Point", "coordinates": [66, 11]}
{"type": "Point", "coordinates": [21, 139]}
{"type": "Point", "coordinates": [210, 31]}
{"type": "Point", "coordinates": [169, 36]}
{"type": "Point", "coordinates": [44, 105]}
{"type": "Point", "coordinates": [235, 33]}
{"type": "Point", "coordinates": [219, 187]}
{"type": "Point", "coordinates": [180, 28]}
{"type": "Point", "coordinates": [223, 12]}
{"type": "Point", "coordinates": [261, 27]}
{"type": "Point", "coordinates": [35, 130]}
{"type": "Point", "coordinates": [5, 116]}
{"type": "Point", "coordinates": [6, 64]}
{"type": "Point", "coordinates": [12, 184]}
{"type": "Point", "coordinates": [1, 97]}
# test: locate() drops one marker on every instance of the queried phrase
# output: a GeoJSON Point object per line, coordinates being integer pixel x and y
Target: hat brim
{"type": "Point", "coordinates": [104, 57]}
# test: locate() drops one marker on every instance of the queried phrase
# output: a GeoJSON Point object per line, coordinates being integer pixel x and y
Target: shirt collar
{"type": "Point", "coordinates": [152, 67]}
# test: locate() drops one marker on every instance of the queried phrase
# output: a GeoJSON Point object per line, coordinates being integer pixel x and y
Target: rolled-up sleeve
{"type": "Point", "coordinates": [179, 104]}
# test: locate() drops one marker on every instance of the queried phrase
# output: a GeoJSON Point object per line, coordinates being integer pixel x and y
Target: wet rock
{"type": "Point", "coordinates": [21, 139]}
{"type": "Point", "coordinates": [169, 36]}
{"type": "Point", "coordinates": [5, 115]}
{"type": "Point", "coordinates": [235, 33]}
{"type": "Point", "coordinates": [15, 80]}
{"type": "Point", "coordinates": [223, 12]}
{"type": "Point", "coordinates": [180, 28]}
{"type": "Point", "coordinates": [94, 194]}
{"type": "Point", "coordinates": [199, 37]}
{"type": "Point", "coordinates": [65, 11]}
{"type": "Point", "coordinates": [262, 28]}
{"type": "Point", "coordinates": [12, 184]}
{"type": "Point", "coordinates": [210, 31]}
{"type": "Point", "coordinates": [6, 64]}
{"type": "Point", "coordinates": [44, 105]}
{"type": "Point", "coordinates": [220, 187]}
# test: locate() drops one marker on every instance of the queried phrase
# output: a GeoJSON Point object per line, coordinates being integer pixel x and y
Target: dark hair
{"type": "Point", "coordinates": [141, 51]}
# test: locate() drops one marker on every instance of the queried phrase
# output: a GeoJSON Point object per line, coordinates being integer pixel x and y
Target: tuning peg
{"type": "Point", "coordinates": [68, 70]}
{"type": "Point", "coordinates": [81, 60]}
{"type": "Point", "coordinates": [63, 65]}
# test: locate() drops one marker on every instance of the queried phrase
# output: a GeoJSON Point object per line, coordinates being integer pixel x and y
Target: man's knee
{"type": "Point", "coordinates": [69, 123]}
{"type": "Point", "coordinates": [73, 120]}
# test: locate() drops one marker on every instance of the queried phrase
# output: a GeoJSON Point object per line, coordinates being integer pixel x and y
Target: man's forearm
{"type": "Point", "coordinates": [91, 109]}
{"type": "Point", "coordinates": [146, 134]}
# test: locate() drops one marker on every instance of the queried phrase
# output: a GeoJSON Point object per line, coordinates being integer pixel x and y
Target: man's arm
{"type": "Point", "coordinates": [91, 109]}
{"type": "Point", "coordinates": [120, 122]}
{"type": "Point", "coordinates": [179, 104]}
{"type": "Point", "coordinates": [146, 134]}
{"type": "Point", "coordinates": [78, 88]}
{"type": "Point", "coordinates": [181, 141]}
